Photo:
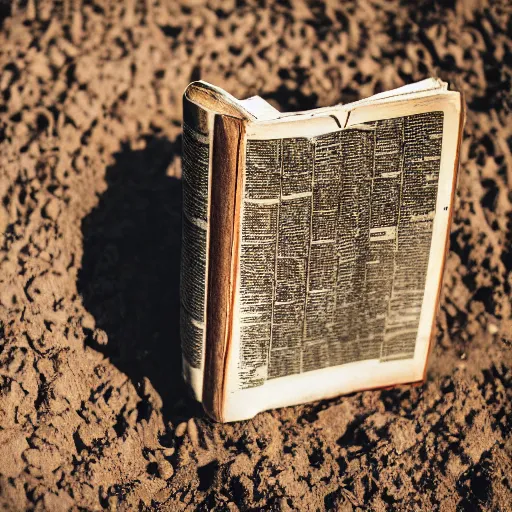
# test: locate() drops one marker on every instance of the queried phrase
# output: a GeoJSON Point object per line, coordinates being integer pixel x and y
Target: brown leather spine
{"type": "Point", "coordinates": [227, 158]}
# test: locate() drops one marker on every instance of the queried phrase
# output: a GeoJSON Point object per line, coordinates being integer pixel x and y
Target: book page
{"type": "Point", "coordinates": [336, 233]}
{"type": "Point", "coordinates": [335, 254]}
{"type": "Point", "coordinates": [194, 261]}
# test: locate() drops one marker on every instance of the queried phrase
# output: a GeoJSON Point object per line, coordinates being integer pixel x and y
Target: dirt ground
{"type": "Point", "coordinates": [93, 413]}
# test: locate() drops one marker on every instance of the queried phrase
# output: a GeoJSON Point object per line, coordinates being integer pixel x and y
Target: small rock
{"type": "Point", "coordinates": [403, 435]}
{"type": "Point", "coordinates": [57, 57]}
{"type": "Point", "coordinates": [492, 328]}
{"type": "Point", "coordinates": [165, 469]}
{"type": "Point", "coordinates": [100, 337]}
{"type": "Point", "coordinates": [181, 429]}
{"type": "Point", "coordinates": [193, 432]}
{"type": "Point", "coordinates": [407, 67]}
{"type": "Point", "coordinates": [5, 79]}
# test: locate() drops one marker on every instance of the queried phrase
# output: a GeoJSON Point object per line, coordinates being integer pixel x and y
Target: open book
{"type": "Point", "coordinates": [313, 243]}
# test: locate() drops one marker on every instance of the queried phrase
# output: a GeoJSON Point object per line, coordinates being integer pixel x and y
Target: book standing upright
{"type": "Point", "coordinates": [313, 243]}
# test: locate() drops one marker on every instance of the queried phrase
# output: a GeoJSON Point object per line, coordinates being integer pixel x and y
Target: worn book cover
{"type": "Point", "coordinates": [313, 243]}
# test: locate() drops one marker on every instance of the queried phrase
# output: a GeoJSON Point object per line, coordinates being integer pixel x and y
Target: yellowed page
{"type": "Point", "coordinates": [334, 380]}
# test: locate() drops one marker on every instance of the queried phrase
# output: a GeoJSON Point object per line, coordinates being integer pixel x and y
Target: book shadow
{"type": "Point", "coordinates": [130, 275]}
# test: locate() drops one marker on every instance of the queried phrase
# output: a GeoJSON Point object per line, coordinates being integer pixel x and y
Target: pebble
{"type": "Point", "coordinates": [492, 328]}
{"type": "Point", "coordinates": [100, 337]}
{"type": "Point", "coordinates": [57, 58]}
{"type": "Point", "coordinates": [181, 429]}
{"type": "Point", "coordinates": [193, 432]}
{"type": "Point", "coordinates": [165, 469]}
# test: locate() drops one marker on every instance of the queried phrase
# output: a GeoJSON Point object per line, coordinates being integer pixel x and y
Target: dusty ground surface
{"type": "Point", "coordinates": [92, 408]}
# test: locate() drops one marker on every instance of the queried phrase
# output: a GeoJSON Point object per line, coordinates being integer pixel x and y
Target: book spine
{"type": "Point", "coordinates": [228, 153]}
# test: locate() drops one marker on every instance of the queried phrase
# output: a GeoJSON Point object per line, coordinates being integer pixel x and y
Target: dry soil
{"type": "Point", "coordinates": [93, 413]}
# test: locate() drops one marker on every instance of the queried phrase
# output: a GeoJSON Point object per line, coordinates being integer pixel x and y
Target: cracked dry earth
{"type": "Point", "coordinates": [93, 413]}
